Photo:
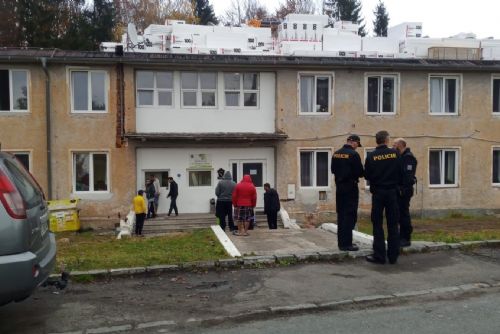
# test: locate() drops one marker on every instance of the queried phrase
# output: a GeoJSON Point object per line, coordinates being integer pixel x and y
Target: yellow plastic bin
{"type": "Point", "coordinates": [64, 215]}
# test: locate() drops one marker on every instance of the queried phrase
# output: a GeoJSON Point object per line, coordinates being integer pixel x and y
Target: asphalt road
{"type": "Point", "coordinates": [177, 300]}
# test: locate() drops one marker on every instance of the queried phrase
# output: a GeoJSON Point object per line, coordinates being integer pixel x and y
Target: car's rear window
{"type": "Point", "coordinates": [24, 182]}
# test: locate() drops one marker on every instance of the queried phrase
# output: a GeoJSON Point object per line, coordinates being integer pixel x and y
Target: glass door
{"type": "Point", "coordinates": [257, 171]}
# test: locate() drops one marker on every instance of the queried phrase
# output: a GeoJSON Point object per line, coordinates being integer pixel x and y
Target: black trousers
{"type": "Point", "coordinates": [151, 210]}
{"type": "Point", "coordinates": [347, 198]}
{"type": "Point", "coordinates": [139, 222]}
{"type": "Point", "coordinates": [405, 227]}
{"type": "Point", "coordinates": [173, 205]}
{"type": "Point", "coordinates": [385, 200]}
{"type": "Point", "coordinates": [272, 220]}
{"type": "Point", "coordinates": [223, 209]}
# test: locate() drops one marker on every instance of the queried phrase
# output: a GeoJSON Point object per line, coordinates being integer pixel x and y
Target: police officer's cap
{"type": "Point", "coordinates": [356, 139]}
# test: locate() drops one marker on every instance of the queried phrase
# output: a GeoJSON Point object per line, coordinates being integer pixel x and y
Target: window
{"type": "Point", "coordinates": [443, 167]}
{"type": "Point", "coordinates": [496, 95]}
{"type": "Point", "coordinates": [200, 178]}
{"type": "Point", "coordinates": [315, 94]}
{"type": "Point", "coordinates": [199, 89]}
{"type": "Point", "coordinates": [241, 89]}
{"type": "Point", "coordinates": [154, 88]}
{"type": "Point", "coordinates": [496, 166]}
{"type": "Point", "coordinates": [161, 175]}
{"type": "Point", "coordinates": [88, 90]}
{"type": "Point", "coordinates": [90, 172]}
{"type": "Point", "coordinates": [381, 94]}
{"type": "Point", "coordinates": [444, 95]}
{"type": "Point", "coordinates": [368, 150]}
{"type": "Point", "coordinates": [13, 90]}
{"type": "Point", "coordinates": [314, 168]}
{"type": "Point", "coordinates": [24, 159]}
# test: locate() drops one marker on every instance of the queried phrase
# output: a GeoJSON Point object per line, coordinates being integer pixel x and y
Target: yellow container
{"type": "Point", "coordinates": [63, 215]}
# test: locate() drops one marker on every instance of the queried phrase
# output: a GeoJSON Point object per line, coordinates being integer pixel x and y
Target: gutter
{"type": "Point", "coordinates": [48, 126]}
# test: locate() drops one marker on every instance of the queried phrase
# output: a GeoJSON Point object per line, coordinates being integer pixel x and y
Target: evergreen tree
{"type": "Point", "coordinates": [204, 12]}
{"type": "Point", "coordinates": [381, 20]}
{"type": "Point", "coordinates": [9, 32]}
{"type": "Point", "coordinates": [345, 10]}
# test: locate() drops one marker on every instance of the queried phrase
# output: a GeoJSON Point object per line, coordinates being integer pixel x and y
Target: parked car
{"type": "Point", "coordinates": [27, 247]}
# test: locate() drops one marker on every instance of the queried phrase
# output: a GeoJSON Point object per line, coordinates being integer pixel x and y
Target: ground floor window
{"type": "Point", "coordinates": [496, 166]}
{"type": "Point", "coordinates": [90, 171]}
{"type": "Point", "coordinates": [314, 168]}
{"type": "Point", "coordinates": [200, 178]}
{"type": "Point", "coordinates": [161, 175]}
{"type": "Point", "coordinates": [443, 167]}
{"type": "Point", "coordinates": [23, 157]}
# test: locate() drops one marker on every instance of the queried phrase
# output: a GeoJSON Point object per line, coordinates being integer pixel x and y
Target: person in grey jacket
{"type": "Point", "coordinates": [224, 206]}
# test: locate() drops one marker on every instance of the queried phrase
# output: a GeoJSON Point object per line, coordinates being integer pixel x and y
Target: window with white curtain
{"type": "Point", "coordinates": [13, 90]}
{"type": "Point", "coordinates": [443, 167]}
{"type": "Point", "coordinates": [444, 95]}
{"type": "Point", "coordinates": [381, 94]}
{"type": "Point", "coordinates": [199, 89]}
{"type": "Point", "coordinates": [314, 168]}
{"type": "Point", "coordinates": [496, 166]}
{"type": "Point", "coordinates": [90, 172]}
{"type": "Point", "coordinates": [89, 93]}
{"type": "Point", "coordinates": [496, 95]}
{"type": "Point", "coordinates": [241, 89]}
{"type": "Point", "coordinates": [200, 178]}
{"type": "Point", "coordinates": [315, 94]}
{"type": "Point", "coordinates": [154, 88]}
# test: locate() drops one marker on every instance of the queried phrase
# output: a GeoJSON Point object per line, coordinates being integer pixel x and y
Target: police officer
{"type": "Point", "coordinates": [347, 167]}
{"type": "Point", "coordinates": [383, 171]}
{"type": "Point", "coordinates": [409, 165]}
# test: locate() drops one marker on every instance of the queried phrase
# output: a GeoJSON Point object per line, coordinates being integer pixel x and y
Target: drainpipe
{"type": "Point", "coordinates": [48, 127]}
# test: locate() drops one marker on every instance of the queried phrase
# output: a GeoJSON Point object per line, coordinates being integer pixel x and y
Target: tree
{"type": "Point", "coordinates": [204, 12]}
{"type": "Point", "coordinates": [381, 20]}
{"type": "Point", "coordinates": [345, 10]}
{"type": "Point", "coordinates": [241, 11]}
{"type": "Point", "coordinates": [9, 29]}
{"type": "Point", "coordinates": [295, 7]}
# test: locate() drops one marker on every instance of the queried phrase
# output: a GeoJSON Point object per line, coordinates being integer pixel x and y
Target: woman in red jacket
{"type": "Point", "coordinates": [244, 200]}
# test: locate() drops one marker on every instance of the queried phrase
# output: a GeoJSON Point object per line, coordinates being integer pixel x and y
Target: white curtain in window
{"type": "Point", "coordinates": [306, 93]}
{"type": "Point", "coordinates": [449, 167]}
{"type": "Point", "coordinates": [436, 95]}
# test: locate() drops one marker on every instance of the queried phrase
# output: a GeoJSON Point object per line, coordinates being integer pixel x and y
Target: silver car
{"type": "Point", "coordinates": [27, 248]}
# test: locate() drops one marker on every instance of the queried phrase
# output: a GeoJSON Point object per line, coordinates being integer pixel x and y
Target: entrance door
{"type": "Point", "coordinates": [257, 171]}
{"type": "Point", "coordinates": [162, 175]}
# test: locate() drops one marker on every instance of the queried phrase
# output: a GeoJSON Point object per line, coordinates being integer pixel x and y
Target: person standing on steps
{"type": "Point", "coordinates": [156, 183]}
{"type": "Point", "coordinates": [405, 193]}
{"type": "Point", "coordinates": [244, 202]}
{"type": "Point", "coordinates": [271, 206]}
{"type": "Point", "coordinates": [140, 210]}
{"type": "Point", "coordinates": [383, 171]}
{"type": "Point", "coordinates": [150, 195]}
{"type": "Point", "coordinates": [347, 168]}
{"type": "Point", "coordinates": [173, 193]}
{"type": "Point", "coordinates": [224, 205]}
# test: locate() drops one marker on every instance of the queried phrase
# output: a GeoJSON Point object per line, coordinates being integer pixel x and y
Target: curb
{"type": "Point", "coordinates": [270, 260]}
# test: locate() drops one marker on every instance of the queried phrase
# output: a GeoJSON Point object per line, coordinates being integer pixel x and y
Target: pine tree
{"type": "Point", "coordinates": [204, 12]}
{"type": "Point", "coordinates": [345, 10]}
{"type": "Point", "coordinates": [381, 20]}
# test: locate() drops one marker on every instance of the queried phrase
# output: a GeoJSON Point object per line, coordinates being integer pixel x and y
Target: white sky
{"type": "Point", "coordinates": [440, 18]}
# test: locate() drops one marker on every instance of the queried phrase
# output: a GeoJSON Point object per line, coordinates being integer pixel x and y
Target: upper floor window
{"type": "Point", "coordinates": [90, 172]}
{"type": "Point", "coordinates": [314, 168]}
{"type": "Point", "coordinates": [241, 89]}
{"type": "Point", "coordinates": [496, 166]}
{"type": "Point", "coordinates": [13, 90]}
{"type": "Point", "coordinates": [496, 95]}
{"type": "Point", "coordinates": [315, 94]}
{"type": "Point", "coordinates": [154, 88]}
{"type": "Point", "coordinates": [199, 89]}
{"type": "Point", "coordinates": [381, 94]}
{"type": "Point", "coordinates": [443, 167]}
{"type": "Point", "coordinates": [89, 93]}
{"type": "Point", "coordinates": [444, 92]}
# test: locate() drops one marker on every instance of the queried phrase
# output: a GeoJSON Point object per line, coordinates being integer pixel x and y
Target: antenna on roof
{"type": "Point", "coordinates": [132, 34]}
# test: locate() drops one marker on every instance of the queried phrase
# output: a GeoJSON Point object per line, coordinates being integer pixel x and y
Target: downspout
{"type": "Point", "coordinates": [48, 127]}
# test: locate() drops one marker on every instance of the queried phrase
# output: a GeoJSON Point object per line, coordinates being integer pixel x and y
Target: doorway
{"type": "Point", "coordinates": [162, 175]}
{"type": "Point", "coordinates": [257, 171]}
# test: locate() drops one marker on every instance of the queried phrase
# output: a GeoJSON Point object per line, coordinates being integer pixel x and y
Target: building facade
{"type": "Point", "coordinates": [95, 125]}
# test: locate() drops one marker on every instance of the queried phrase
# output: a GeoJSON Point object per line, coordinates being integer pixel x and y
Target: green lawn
{"type": "Point", "coordinates": [86, 251]}
{"type": "Point", "coordinates": [450, 229]}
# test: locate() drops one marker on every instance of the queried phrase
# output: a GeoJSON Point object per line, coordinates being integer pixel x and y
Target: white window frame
{"type": "Point", "coordinates": [493, 78]}
{"type": "Point", "coordinates": [199, 91]}
{"type": "Point", "coordinates": [89, 90]}
{"type": "Point", "coordinates": [27, 152]}
{"type": "Point", "coordinates": [493, 149]}
{"type": "Point", "coordinates": [367, 150]}
{"type": "Point", "coordinates": [458, 93]}
{"type": "Point", "coordinates": [331, 83]}
{"type": "Point", "coordinates": [242, 91]}
{"type": "Point", "coordinates": [329, 150]}
{"type": "Point", "coordinates": [381, 76]}
{"type": "Point", "coordinates": [189, 170]}
{"type": "Point", "coordinates": [457, 169]}
{"type": "Point", "coordinates": [155, 90]}
{"type": "Point", "coordinates": [91, 171]}
{"type": "Point", "coordinates": [11, 92]}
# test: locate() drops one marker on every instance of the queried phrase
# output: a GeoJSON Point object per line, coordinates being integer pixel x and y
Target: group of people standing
{"type": "Point", "coordinates": [243, 197]}
{"type": "Point", "coordinates": [391, 176]}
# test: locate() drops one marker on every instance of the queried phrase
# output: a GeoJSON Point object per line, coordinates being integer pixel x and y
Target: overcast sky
{"type": "Point", "coordinates": [440, 18]}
